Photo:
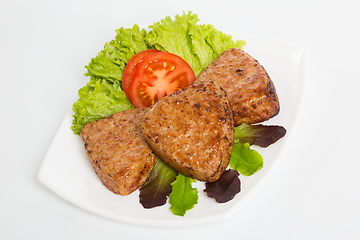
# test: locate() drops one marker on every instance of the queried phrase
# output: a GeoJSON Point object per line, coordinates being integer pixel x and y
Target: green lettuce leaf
{"type": "Point", "coordinates": [98, 99]}
{"type": "Point", "coordinates": [245, 160]}
{"type": "Point", "coordinates": [199, 45]}
{"type": "Point", "coordinates": [209, 43]}
{"type": "Point", "coordinates": [183, 196]}
{"type": "Point", "coordinates": [103, 95]}
{"type": "Point", "coordinates": [109, 63]}
{"type": "Point", "coordinates": [173, 36]}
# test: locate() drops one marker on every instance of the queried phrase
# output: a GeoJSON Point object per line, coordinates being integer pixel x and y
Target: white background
{"type": "Point", "coordinates": [314, 194]}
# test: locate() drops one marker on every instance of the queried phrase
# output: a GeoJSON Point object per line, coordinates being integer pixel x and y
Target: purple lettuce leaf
{"type": "Point", "coordinates": [260, 135]}
{"type": "Point", "coordinates": [225, 188]}
{"type": "Point", "coordinates": [155, 191]}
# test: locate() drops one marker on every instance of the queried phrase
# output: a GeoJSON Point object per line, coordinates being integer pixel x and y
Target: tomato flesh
{"type": "Point", "coordinates": [158, 75]}
{"type": "Point", "coordinates": [131, 67]}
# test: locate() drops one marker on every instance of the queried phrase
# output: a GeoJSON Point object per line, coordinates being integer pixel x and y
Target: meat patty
{"type": "Point", "coordinates": [250, 90]}
{"type": "Point", "coordinates": [192, 131]}
{"type": "Point", "coordinates": [118, 152]}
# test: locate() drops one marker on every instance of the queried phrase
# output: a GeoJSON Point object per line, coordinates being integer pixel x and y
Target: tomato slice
{"type": "Point", "coordinates": [158, 75]}
{"type": "Point", "coordinates": [131, 67]}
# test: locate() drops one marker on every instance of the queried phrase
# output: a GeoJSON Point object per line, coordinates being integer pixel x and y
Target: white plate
{"type": "Point", "coordinates": [67, 171]}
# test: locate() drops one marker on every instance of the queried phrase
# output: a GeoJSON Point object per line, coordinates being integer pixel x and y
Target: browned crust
{"type": "Point", "coordinates": [118, 152]}
{"type": "Point", "coordinates": [251, 92]}
{"type": "Point", "coordinates": [192, 131]}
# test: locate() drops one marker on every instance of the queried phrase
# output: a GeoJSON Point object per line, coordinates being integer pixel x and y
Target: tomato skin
{"type": "Point", "coordinates": [130, 68]}
{"type": "Point", "coordinates": [159, 75]}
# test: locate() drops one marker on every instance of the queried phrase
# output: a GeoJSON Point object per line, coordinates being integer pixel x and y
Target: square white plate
{"type": "Point", "coordinates": [67, 171]}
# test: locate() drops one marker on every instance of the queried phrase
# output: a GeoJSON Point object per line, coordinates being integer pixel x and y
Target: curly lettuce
{"type": "Point", "coordinates": [109, 64]}
{"type": "Point", "coordinates": [98, 99]}
{"type": "Point", "coordinates": [198, 44]}
{"type": "Point", "coordinates": [103, 95]}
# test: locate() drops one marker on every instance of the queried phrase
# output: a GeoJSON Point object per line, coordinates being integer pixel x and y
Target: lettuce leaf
{"type": "Point", "coordinates": [225, 188]}
{"type": "Point", "coordinates": [245, 160]}
{"type": "Point", "coordinates": [103, 95]}
{"type": "Point", "coordinates": [209, 43]}
{"type": "Point", "coordinates": [155, 191]}
{"type": "Point", "coordinates": [260, 135]}
{"type": "Point", "coordinates": [183, 196]}
{"type": "Point", "coordinates": [199, 45]}
{"type": "Point", "coordinates": [98, 99]}
{"type": "Point", "coordinates": [110, 63]}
